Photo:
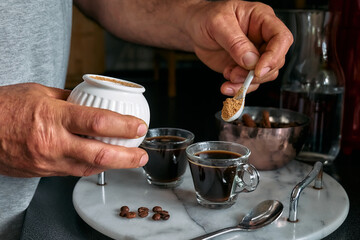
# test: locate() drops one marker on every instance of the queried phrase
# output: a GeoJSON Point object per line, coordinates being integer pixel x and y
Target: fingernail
{"type": "Point", "coordinates": [250, 59]}
{"type": "Point", "coordinates": [142, 129]}
{"type": "Point", "coordinates": [143, 160]}
{"type": "Point", "coordinates": [264, 71]}
{"type": "Point", "coordinates": [229, 91]}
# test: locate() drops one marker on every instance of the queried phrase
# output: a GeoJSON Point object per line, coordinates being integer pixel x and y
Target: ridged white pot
{"type": "Point", "coordinates": [116, 95]}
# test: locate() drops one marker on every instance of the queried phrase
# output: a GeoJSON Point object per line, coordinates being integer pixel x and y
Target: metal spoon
{"type": "Point", "coordinates": [240, 95]}
{"type": "Point", "coordinates": [263, 214]}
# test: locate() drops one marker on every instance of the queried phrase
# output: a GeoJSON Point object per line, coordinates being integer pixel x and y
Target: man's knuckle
{"type": "Point", "coordinates": [88, 171]}
{"type": "Point", "coordinates": [290, 38]}
{"type": "Point", "coordinates": [97, 122]}
{"type": "Point", "coordinates": [133, 161]}
{"type": "Point", "coordinates": [35, 146]}
{"type": "Point", "coordinates": [217, 21]}
{"type": "Point", "coordinates": [101, 158]}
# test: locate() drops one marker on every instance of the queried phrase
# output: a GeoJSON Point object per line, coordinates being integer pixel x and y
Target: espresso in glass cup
{"type": "Point", "coordinates": [220, 171]}
{"type": "Point", "coordinates": [167, 158]}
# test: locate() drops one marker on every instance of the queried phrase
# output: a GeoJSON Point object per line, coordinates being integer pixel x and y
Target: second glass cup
{"type": "Point", "coordinates": [220, 171]}
{"type": "Point", "coordinates": [167, 158]}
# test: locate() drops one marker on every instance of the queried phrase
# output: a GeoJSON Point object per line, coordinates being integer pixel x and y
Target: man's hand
{"type": "Point", "coordinates": [40, 135]}
{"type": "Point", "coordinates": [236, 36]}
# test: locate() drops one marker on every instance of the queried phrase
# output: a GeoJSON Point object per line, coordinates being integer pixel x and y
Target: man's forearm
{"type": "Point", "coordinates": [158, 23]}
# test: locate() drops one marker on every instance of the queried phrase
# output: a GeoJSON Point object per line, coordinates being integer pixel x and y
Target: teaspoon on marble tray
{"type": "Point", "coordinates": [263, 214]}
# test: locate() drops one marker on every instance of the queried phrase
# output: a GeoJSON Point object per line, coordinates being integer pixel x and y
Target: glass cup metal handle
{"type": "Point", "coordinates": [252, 175]}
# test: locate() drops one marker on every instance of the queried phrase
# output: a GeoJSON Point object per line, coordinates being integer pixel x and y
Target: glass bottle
{"type": "Point", "coordinates": [313, 83]}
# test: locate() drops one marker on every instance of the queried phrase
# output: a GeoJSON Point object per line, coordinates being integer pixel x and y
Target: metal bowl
{"type": "Point", "coordinates": [271, 148]}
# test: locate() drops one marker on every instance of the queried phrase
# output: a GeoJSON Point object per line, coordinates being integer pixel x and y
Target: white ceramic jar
{"type": "Point", "coordinates": [116, 95]}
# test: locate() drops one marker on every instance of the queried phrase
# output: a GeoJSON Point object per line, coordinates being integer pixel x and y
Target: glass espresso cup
{"type": "Point", "coordinates": [220, 171]}
{"type": "Point", "coordinates": [167, 158]}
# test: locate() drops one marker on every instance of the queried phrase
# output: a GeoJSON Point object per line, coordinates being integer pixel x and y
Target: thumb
{"type": "Point", "coordinates": [243, 51]}
{"type": "Point", "coordinates": [248, 59]}
{"type": "Point", "coordinates": [237, 44]}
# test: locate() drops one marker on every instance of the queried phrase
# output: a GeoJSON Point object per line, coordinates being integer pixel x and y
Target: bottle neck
{"type": "Point", "coordinates": [315, 64]}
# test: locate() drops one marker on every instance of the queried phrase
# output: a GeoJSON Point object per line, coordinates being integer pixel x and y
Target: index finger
{"type": "Point", "coordinates": [276, 35]}
{"type": "Point", "coordinates": [93, 154]}
{"type": "Point", "coordinates": [98, 122]}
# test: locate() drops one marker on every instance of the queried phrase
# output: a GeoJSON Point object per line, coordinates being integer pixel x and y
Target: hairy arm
{"type": "Point", "coordinates": [157, 23]}
{"type": "Point", "coordinates": [230, 37]}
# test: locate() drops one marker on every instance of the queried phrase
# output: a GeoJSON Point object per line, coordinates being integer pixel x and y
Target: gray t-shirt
{"type": "Point", "coordinates": [34, 47]}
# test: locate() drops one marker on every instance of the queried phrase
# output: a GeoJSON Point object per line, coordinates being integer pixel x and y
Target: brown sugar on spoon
{"type": "Point", "coordinates": [230, 107]}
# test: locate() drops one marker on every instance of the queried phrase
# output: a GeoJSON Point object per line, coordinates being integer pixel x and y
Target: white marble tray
{"type": "Point", "coordinates": [320, 211]}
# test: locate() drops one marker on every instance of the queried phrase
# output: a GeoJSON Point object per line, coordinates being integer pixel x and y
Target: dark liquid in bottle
{"type": "Point", "coordinates": [214, 183]}
{"type": "Point", "coordinates": [165, 164]}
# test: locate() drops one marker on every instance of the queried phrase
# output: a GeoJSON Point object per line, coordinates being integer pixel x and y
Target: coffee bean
{"type": "Point", "coordinates": [143, 209]}
{"type": "Point", "coordinates": [123, 214]}
{"type": "Point", "coordinates": [165, 216]}
{"type": "Point", "coordinates": [124, 209]}
{"type": "Point", "coordinates": [130, 214]}
{"type": "Point", "coordinates": [163, 212]}
{"type": "Point", "coordinates": [143, 214]}
{"type": "Point", "coordinates": [157, 209]}
{"type": "Point", "coordinates": [156, 217]}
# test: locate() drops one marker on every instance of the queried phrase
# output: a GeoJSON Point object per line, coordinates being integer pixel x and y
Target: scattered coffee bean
{"type": "Point", "coordinates": [165, 217]}
{"type": "Point", "coordinates": [156, 217]}
{"type": "Point", "coordinates": [143, 214]}
{"type": "Point", "coordinates": [124, 209]}
{"type": "Point", "coordinates": [157, 209]}
{"type": "Point", "coordinates": [130, 214]}
{"type": "Point", "coordinates": [163, 212]}
{"type": "Point", "coordinates": [123, 214]}
{"type": "Point", "coordinates": [143, 209]}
